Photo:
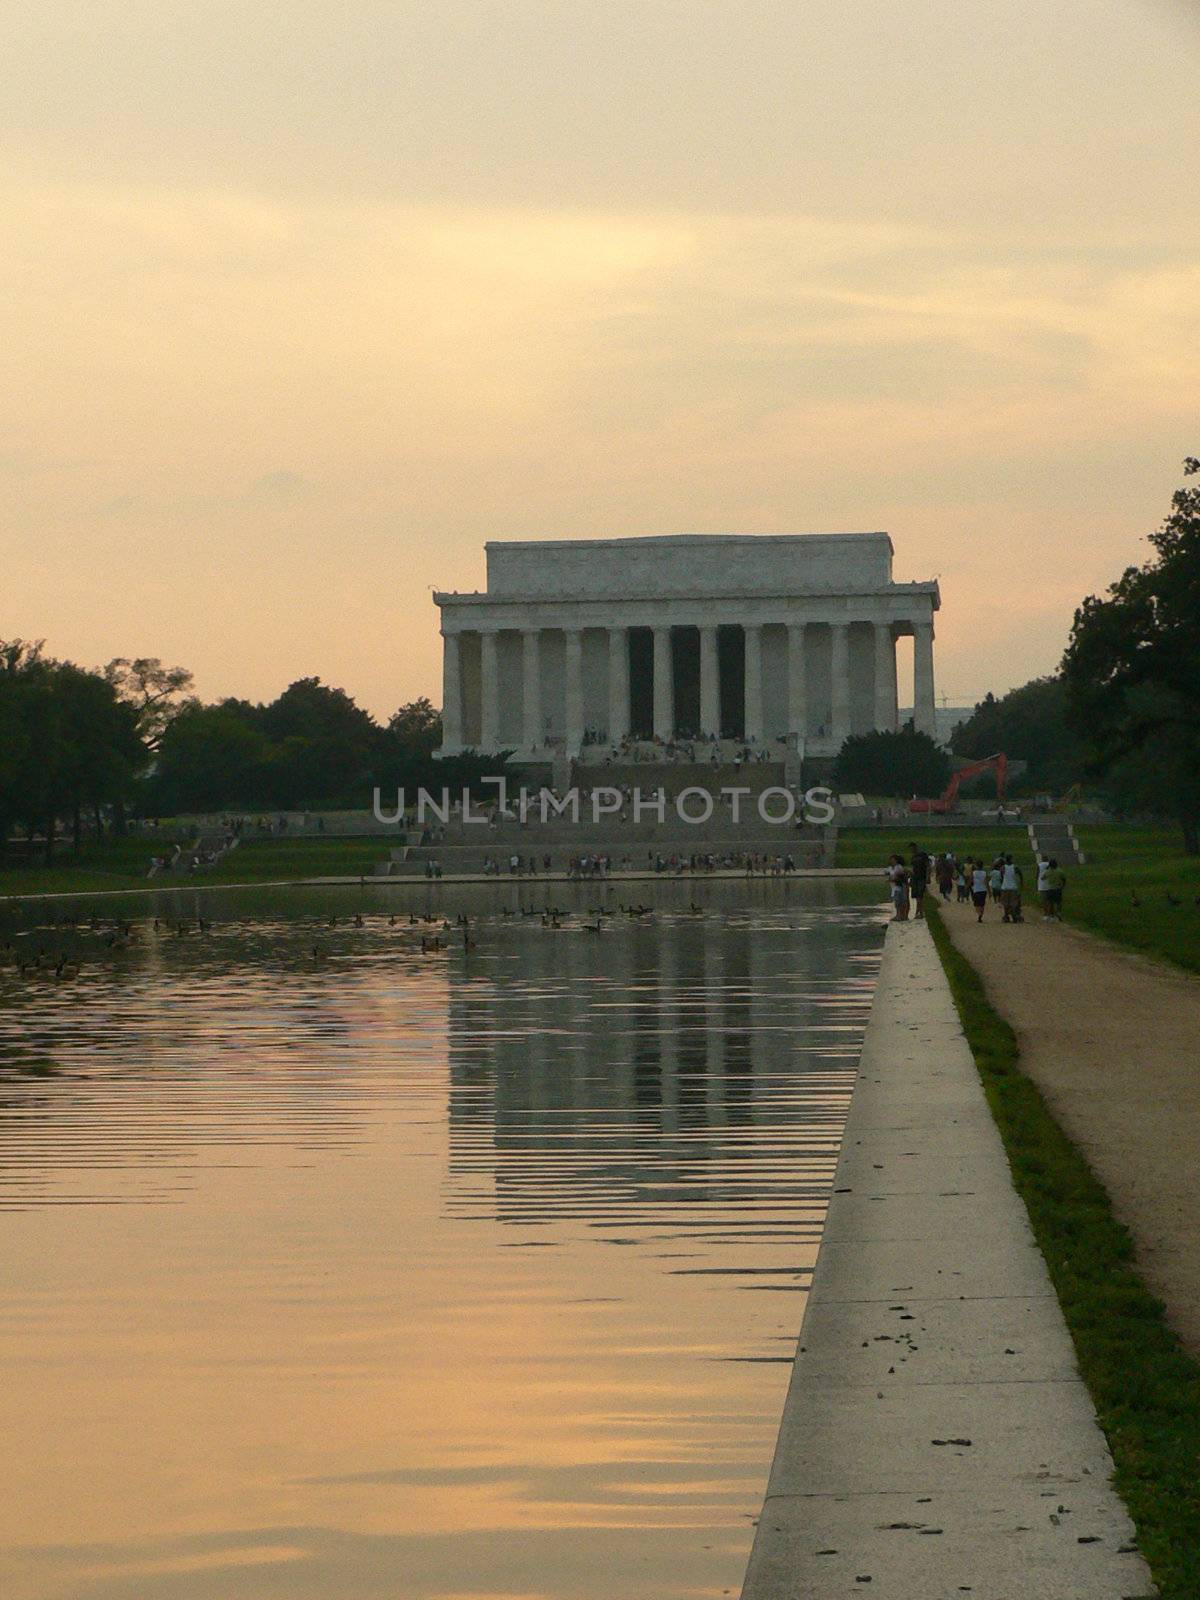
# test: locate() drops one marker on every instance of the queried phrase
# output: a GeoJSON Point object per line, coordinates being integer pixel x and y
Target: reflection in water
{"type": "Point", "coordinates": [455, 1275]}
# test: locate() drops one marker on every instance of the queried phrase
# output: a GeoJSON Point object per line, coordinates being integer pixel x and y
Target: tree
{"type": "Point", "coordinates": [24, 680]}
{"type": "Point", "coordinates": [416, 728]}
{"type": "Point", "coordinates": [1132, 670]}
{"type": "Point", "coordinates": [904, 763]}
{"type": "Point", "coordinates": [157, 693]}
{"type": "Point", "coordinates": [98, 752]}
{"type": "Point", "coordinates": [66, 742]}
{"type": "Point", "coordinates": [1029, 724]}
{"type": "Point", "coordinates": [405, 756]}
{"type": "Point", "coordinates": [325, 745]}
{"type": "Point", "coordinates": [211, 757]}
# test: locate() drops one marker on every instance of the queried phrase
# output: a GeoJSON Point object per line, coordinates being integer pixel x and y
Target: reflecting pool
{"type": "Point", "coordinates": [337, 1268]}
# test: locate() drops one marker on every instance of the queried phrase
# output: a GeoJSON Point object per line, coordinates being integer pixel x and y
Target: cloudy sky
{"type": "Point", "coordinates": [303, 300]}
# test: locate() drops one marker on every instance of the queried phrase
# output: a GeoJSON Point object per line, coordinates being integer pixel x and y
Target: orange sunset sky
{"type": "Point", "coordinates": [304, 301]}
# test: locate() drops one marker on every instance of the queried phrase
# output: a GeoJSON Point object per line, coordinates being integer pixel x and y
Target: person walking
{"type": "Point", "coordinates": [979, 889]}
{"type": "Point", "coordinates": [996, 878]}
{"type": "Point", "coordinates": [1056, 882]}
{"type": "Point", "coordinates": [919, 878]}
{"type": "Point", "coordinates": [945, 875]}
{"type": "Point", "coordinates": [1010, 890]}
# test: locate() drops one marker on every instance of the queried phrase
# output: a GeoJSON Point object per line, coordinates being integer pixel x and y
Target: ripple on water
{"type": "Point", "coordinates": [475, 1272]}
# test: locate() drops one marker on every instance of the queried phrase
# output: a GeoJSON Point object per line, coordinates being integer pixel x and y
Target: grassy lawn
{"type": "Point", "coordinates": [257, 859]}
{"type": "Point", "coordinates": [1147, 863]}
{"type": "Point", "coordinates": [113, 864]}
{"type": "Point", "coordinates": [871, 847]}
{"type": "Point", "coordinates": [1145, 1386]}
{"type": "Point", "coordinates": [123, 864]}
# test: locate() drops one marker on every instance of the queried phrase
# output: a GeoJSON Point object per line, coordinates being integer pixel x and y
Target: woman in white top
{"type": "Point", "coordinates": [898, 881]}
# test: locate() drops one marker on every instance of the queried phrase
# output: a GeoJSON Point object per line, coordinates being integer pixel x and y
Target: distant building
{"type": "Point", "coordinates": [757, 637]}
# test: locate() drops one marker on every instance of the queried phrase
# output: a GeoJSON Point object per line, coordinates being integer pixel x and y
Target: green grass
{"type": "Point", "coordinates": [1145, 1386]}
{"type": "Point", "coordinates": [870, 847]}
{"type": "Point", "coordinates": [123, 864]}
{"type": "Point", "coordinates": [255, 860]}
{"type": "Point", "coordinates": [111, 864]}
{"type": "Point", "coordinates": [1148, 863]}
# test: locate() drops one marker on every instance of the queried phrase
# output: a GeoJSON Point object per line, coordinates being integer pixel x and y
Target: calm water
{"type": "Point", "coordinates": [473, 1273]}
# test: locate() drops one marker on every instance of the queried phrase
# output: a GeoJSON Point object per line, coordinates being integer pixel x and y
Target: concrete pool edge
{"type": "Point", "coordinates": [450, 880]}
{"type": "Point", "coordinates": [937, 1437]}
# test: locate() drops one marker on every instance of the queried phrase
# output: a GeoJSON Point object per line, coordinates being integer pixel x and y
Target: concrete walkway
{"type": "Point", "coordinates": [937, 1439]}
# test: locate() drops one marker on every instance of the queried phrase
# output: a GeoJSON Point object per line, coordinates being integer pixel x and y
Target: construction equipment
{"type": "Point", "coordinates": [949, 800]}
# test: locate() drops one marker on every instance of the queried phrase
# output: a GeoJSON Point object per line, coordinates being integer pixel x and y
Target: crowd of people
{"type": "Point", "coordinates": [600, 864]}
{"type": "Point", "coordinates": [971, 879]}
{"type": "Point", "coordinates": [688, 747]}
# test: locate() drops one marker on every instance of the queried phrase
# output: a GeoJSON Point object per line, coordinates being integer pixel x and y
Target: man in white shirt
{"type": "Point", "coordinates": [1010, 890]}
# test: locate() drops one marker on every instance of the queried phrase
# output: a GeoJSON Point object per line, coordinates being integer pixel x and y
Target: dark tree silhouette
{"type": "Point", "coordinates": [1132, 670]}
{"type": "Point", "coordinates": [904, 763]}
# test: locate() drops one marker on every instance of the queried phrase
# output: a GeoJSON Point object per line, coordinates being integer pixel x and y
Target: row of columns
{"type": "Point", "coordinates": [664, 688]}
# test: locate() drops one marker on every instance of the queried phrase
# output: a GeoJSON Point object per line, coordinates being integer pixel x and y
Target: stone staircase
{"type": "Point", "coordinates": [634, 835]}
{"type": "Point", "coordinates": [1054, 836]}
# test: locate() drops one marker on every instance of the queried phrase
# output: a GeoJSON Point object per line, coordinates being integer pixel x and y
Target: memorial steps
{"type": "Point", "coordinates": [464, 847]}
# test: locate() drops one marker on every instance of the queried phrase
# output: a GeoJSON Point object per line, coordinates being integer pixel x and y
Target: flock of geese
{"type": "Point", "coordinates": [550, 916]}
{"type": "Point", "coordinates": [118, 933]}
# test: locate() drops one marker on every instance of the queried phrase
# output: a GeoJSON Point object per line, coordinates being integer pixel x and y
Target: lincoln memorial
{"type": "Point", "coordinates": [767, 639]}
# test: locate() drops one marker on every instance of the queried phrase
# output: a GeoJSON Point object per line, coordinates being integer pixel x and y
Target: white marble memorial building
{"type": "Point", "coordinates": [755, 637]}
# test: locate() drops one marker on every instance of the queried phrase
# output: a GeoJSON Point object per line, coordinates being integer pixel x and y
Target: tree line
{"type": "Point", "coordinates": [82, 750]}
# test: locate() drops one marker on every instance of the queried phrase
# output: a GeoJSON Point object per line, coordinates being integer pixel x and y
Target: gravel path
{"type": "Point", "coordinates": [1112, 1039]}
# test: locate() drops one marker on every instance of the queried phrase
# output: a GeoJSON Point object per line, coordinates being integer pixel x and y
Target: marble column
{"type": "Point", "coordinates": [754, 696]}
{"type": "Point", "coordinates": [452, 730]}
{"type": "Point", "coordinates": [797, 682]}
{"type": "Point", "coordinates": [489, 698]}
{"type": "Point", "coordinates": [574, 692]}
{"type": "Point", "coordinates": [618, 684]}
{"type": "Point", "coordinates": [885, 678]}
{"type": "Point", "coordinates": [531, 685]}
{"type": "Point", "coordinates": [924, 715]}
{"type": "Point", "coordinates": [839, 683]}
{"type": "Point", "coordinates": [710, 684]}
{"type": "Point", "coordinates": [664, 686]}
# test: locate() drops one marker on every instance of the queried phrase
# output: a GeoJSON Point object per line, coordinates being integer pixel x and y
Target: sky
{"type": "Point", "coordinates": [302, 302]}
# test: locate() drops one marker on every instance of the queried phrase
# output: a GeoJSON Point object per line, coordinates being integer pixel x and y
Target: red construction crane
{"type": "Point", "coordinates": [948, 801]}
